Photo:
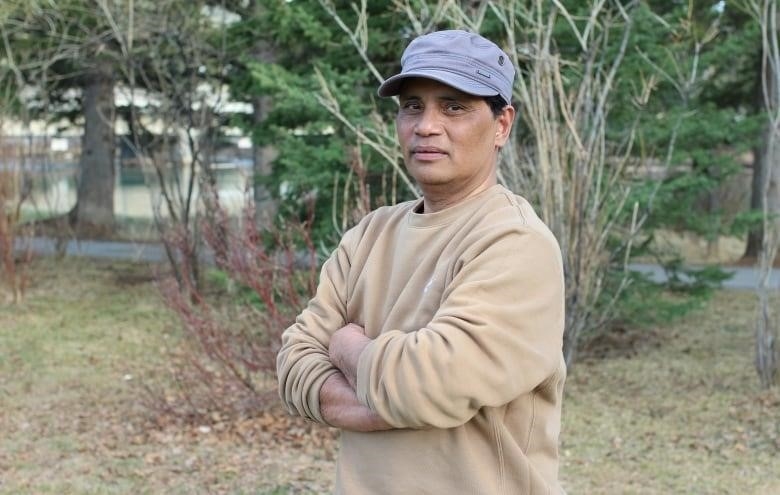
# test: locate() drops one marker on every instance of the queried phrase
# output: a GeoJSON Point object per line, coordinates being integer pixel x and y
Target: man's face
{"type": "Point", "coordinates": [449, 139]}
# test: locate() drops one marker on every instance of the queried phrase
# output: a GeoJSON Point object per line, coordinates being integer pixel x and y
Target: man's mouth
{"type": "Point", "coordinates": [427, 153]}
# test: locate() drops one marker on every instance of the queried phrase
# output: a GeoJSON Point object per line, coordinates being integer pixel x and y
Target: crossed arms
{"type": "Point", "coordinates": [339, 404]}
{"type": "Point", "coordinates": [496, 335]}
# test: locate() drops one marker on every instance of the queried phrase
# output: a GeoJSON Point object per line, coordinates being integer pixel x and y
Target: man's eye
{"type": "Point", "coordinates": [453, 107]}
{"type": "Point", "coordinates": [411, 107]}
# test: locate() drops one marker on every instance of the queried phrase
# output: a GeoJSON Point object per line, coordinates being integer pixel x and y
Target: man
{"type": "Point", "coordinates": [434, 339]}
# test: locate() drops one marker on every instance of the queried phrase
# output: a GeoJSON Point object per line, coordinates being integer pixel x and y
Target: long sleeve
{"type": "Point", "coordinates": [496, 335]}
{"type": "Point", "coordinates": [302, 363]}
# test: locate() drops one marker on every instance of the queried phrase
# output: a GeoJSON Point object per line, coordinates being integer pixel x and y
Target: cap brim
{"type": "Point", "coordinates": [392, 86]}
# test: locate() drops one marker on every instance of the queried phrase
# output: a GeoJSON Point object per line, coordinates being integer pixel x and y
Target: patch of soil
{"type": "Point", "coordinates": [271, 427]}
{"type": "Point", "coordinates": [281, 451]}
{"type": "Point", "coordinates": [620, 342]}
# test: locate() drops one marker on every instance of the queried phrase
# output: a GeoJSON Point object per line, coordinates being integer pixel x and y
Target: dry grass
{"type": "Point", "coordinates": [72, 414]}
{"type": "Point", "coordinates": [677, 411]}
{"type": "Point", "coordinates": [680, 413]}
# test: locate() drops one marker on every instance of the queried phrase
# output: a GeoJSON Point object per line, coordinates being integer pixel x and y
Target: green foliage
{"type": "Point", "coordinates": [314, 149]}
{"type": "Point", "coordinates": [703, 66]}
{"type": "Point", "coordinates": [646, 303]}
{"type": "Point", "coordinates": [746, 221]}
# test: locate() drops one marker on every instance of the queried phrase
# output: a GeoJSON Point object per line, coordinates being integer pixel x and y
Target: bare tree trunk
{"type": "Point", "coordinates": [767, 331]}
{"type": "Point", "coordinates": [94, 210]}
{"type": "Point", "coordinates": [713, 207]}
{"type": "Point", "coordinates": [756, 236]}
{"type": "Point", "coordinates": [767, 324]}
{"type": "Point", "coordinates": [262, 157]}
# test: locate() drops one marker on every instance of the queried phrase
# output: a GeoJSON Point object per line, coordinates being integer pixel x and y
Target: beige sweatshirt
{"type": "Point", "coordinates": [466, 311]}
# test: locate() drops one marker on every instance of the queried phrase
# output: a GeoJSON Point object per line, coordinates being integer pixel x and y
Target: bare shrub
{"type": "Point", "coordinates": [258, 280]}
{"type": "Point", "coordinates": [174, 62]}
{"type": "Point", "coordinates": [565, 164]}
{"type": "Point", "coordinates": [226, 363]}
{"type": "Point", "coordinates": [13, 195]}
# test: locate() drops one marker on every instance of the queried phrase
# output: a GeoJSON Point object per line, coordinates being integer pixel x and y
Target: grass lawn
{"type": "Point", "coordinates": [670, 410]}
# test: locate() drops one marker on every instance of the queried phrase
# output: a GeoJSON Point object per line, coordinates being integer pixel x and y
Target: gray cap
{"type": "Point", "coordinates": [463, 60]}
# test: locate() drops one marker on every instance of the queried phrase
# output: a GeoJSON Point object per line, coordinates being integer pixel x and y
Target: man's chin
{"type": "Point", "coordinates": [432, 180]}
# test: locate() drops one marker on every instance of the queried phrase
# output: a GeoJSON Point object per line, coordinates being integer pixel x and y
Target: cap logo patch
{"type": "Point", "coordinates": [483, 74]}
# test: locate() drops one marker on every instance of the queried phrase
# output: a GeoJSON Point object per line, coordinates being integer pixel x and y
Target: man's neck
{"type": "Point", "coordinates": [434, 201]}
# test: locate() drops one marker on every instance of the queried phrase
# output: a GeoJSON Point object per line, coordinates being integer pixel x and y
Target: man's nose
{"type": "Point", "coordinates": [427, 123]}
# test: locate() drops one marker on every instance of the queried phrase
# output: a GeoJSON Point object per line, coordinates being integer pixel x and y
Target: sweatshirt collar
{"type": "Point", "coordinates": [450, 214]}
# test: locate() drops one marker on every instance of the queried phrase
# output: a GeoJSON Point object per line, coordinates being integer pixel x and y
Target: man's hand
{"type": "Point", "coordinates": [339, 404]}
{"type": "Point", "coordinates": [340, 407]}
{"type": "Point", "coordinates": [345, 347]}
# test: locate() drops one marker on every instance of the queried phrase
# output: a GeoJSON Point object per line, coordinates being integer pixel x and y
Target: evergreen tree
{"type": "Point", "coordinates": [701, 60]}
{"type": "Point", "coordinates": [314, 149]}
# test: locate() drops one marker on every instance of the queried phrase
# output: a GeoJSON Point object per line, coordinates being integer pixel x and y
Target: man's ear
{"type": "Point", "coordinates": [504, 120]}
